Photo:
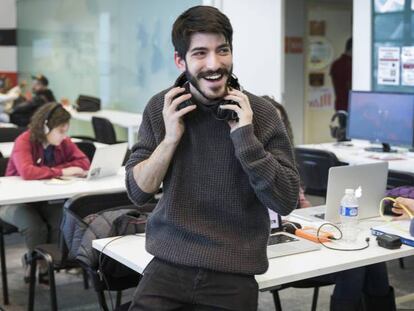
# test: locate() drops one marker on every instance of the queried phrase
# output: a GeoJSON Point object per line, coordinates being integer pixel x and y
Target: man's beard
{"type": "Point", "coordinates": [194, 80]}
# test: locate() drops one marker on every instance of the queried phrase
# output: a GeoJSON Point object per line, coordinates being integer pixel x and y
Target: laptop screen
{"type": "Point", "coordinates": [275, 221]}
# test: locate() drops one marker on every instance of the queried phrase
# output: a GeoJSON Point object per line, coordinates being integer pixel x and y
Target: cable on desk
{"type": "Point", "coordinates": [337, 239]}
{"type": "Point", "coordinates": [101, 274]}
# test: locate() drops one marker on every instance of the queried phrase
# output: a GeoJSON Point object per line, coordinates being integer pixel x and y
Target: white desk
{"type": "Point", "coordinates": [128, 120]}
{"type": "Point", "coordinates": [130, 250]}
{"type": "Point", "coordinates": [6, 148]}
{"type": "Point", "coordinates": [402, 161]}
{"type": "Point", "coordinates": [15, 190]}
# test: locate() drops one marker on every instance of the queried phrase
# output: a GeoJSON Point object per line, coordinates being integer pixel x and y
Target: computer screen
{"type": "Point", "coordinates": [386, 118]}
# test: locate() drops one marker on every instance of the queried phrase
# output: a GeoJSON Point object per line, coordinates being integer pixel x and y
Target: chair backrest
{"type": "Point", "coordinates": [104, 130]}
{"type": "Point", "coordinates": [397, 179]}
{"type": "Point", "coordinates": [87, 147]}
{"type": "Point", "coordinates": [90, 203]}
{"type": "Point", "coordinates": [9, 134]}
{"type": "Point", "coordinates": [314, 168]}
{"type": "Point", "coordinates": [3, 166]}
{"type": "Point", "coordinates": [127, 155]}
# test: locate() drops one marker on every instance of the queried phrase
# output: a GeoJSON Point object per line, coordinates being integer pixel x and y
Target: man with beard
{"type": "Point", "coordinates": [223, 157]}
{"type": "Point", "coordinates": [23, 111]}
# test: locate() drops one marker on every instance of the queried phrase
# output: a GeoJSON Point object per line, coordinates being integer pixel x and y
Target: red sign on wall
{"type": "Point", "coordinates": [293, 45]}
{"type": "Point", "coordinates": [7, 80]}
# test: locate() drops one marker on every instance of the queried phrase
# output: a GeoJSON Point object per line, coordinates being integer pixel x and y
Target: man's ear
{"type": "Point", "coordinates": [179, 62]}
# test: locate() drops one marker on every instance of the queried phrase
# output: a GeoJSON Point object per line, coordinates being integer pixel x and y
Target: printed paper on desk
{"type": "Point", "coordinates": [386, 157]}
{"type": "Point", "coordinates": [57, 181]}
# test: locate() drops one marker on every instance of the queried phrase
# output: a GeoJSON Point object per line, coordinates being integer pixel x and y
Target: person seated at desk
{"type": "Point", "coordinates": [6, 101]}
{"type": "Point", "coordinates": [407, 202]}
{"type": "Point", "coordinates": [23, 109]}
{"type": "Point", "coordinates": [42, 152]}
{"type": "Point", "coordinates": [369, 283]}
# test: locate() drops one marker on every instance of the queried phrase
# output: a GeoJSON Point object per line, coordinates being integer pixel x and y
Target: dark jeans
{"type": "Point", "coordinates": [167, 286]}
{"type": "Point", "coordinates": [350, 284]}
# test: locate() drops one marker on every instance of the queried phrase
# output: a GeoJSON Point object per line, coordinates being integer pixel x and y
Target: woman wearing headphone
{"type": "Point", "coordinates": [43, 152]}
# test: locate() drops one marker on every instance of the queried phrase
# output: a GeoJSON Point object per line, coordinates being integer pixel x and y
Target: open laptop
{"type": "Point", "coordinates": [372, 178]}
{"type": "Point", "coordinates": [106, 161]}
{"type": "Point", "coordinates": [282, 243]}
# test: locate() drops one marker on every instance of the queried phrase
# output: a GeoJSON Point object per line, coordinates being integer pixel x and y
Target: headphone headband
{"type": "Point", "coordinates": [50, 113]}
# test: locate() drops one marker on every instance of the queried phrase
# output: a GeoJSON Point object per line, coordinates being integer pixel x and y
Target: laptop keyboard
{"type": "Point", "coordinates": [320, 216]}
{"type": "Point", "coordinates": [280, 238]}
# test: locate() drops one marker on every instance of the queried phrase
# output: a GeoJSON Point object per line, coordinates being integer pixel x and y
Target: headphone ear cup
{"type": "Point", "coordinates": [46, 128]}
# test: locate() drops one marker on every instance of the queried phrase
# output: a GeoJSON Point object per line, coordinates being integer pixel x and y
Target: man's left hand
{"type": "Point", "coordinates": [244, 112]}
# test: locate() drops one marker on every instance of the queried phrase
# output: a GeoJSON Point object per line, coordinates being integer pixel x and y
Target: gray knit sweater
{"type": "Point", "coordinates": [213, 212]}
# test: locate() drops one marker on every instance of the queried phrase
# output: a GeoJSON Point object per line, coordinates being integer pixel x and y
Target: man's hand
{"type": "Point", "coordinates": [244, 112]}
{"type": "Point", "coordinates": [174, 124]}
{"type": "Point", "coordinates": [408, 203]}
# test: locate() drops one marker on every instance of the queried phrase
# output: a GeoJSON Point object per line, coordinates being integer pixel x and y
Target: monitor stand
{"type": "Point", "coordinates": [385, 148]}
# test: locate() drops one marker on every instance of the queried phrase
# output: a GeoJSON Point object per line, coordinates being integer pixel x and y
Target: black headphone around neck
{"type": "Point", "coordinates": [219, 114]}
{"type": "Point", "coordinates": [48, 116]}
{"type": "Point", "coordinates": [339, 131]}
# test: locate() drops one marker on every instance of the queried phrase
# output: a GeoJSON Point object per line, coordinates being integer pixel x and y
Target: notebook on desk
{"type": "Point", "coordinates": [106, 161]}
{"type": "Point", "coordinates": [282, 243]}
{"type": "Point", "coordinates": [372, 178]}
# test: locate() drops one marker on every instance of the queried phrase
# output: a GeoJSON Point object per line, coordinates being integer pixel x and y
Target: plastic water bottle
{"type": "Point", "coordinates": [349, 216]}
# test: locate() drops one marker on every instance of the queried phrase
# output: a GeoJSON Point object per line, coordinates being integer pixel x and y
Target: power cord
{"type": "Point", "coordinates": [367, 239]}
{"type": "Point", "coordinates": [100, 268]}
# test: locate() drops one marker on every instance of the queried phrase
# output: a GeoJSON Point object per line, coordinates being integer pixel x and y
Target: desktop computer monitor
{"type": "Point", "coordinates": [386, 118]}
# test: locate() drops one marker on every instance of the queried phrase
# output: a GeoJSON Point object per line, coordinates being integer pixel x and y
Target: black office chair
{"type": "Point", "coordinates": [126, 158]}
{"type": "Point", "coordinates": [88, 148]}
{"type": "Point", "coordinates": [314, 165]}
{"type": "Point", "coordinates": [398, 179]}
{"type": "Point", "coordinates": [9, 134]}
{"type": "Point", "coordinates": [104, 131]}
{"type": "Point", "coordinates": [309, 283]}
{"type": "Point", "coordinates": [5, 229]}
{"type": "Point", "coordinates": [56, 255]}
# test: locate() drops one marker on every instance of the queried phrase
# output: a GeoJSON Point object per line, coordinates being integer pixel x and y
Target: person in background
{"type": "Point", "coordinates": [42, 152]}
{"type": "Point", "coordinates": [21, 112]}
{"type": "Point", "coordinates": [6, 102]}
{"type": "Point", "coordinates": [303, 201]}
{"type": "Point", "coordinates": [407, 202]}
{"type": "Point", "coordinates": [224, 158]}
{"type": "Point", "coordinates": [341, 74]}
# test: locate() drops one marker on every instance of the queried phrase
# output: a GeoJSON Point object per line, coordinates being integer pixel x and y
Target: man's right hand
{"type": "Point", "coordinates": [174, 124]}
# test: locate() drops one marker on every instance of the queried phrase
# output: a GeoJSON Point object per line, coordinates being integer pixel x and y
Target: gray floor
{"type": "Point", "coordinates": [72, 296]}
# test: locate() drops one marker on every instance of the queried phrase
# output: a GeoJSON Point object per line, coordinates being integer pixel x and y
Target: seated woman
{"type": "Point", "coordinates": [354, 287]}
{"type": "Point", "coordinates": [43, 152]}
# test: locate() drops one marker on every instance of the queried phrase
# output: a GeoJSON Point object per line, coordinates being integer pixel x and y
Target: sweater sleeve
{"type": "Point", "coordinates": [270, 167]}
{"type": "Point", "coordinates": [27, 169]}
{"type": "Point", "coordinates": [141, 151]}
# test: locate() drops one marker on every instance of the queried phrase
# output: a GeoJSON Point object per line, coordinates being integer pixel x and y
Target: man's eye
{"type": "Point", "coordinates": [224, 50]}
{"type": "Point", "coordinates": [198, 54]}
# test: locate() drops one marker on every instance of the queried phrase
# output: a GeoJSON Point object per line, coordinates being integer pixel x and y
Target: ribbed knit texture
{"type": "Point", "coordinates": [213, 210]}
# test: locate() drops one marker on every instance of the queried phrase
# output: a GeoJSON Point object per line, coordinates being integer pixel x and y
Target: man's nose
{"type": "Point", "coordinates": [213, 61]}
